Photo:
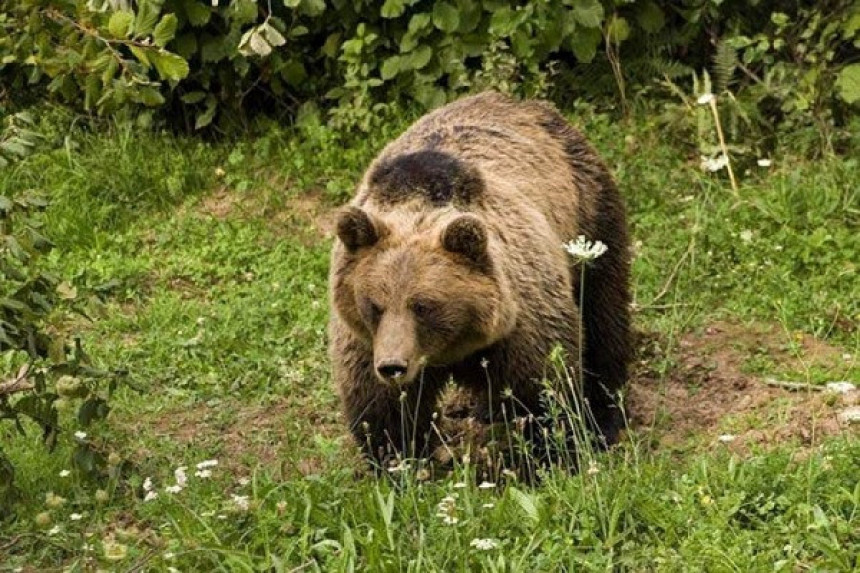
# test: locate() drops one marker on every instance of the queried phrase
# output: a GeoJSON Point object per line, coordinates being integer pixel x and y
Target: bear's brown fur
{"type": "Point", "coordinates": [450, 263]}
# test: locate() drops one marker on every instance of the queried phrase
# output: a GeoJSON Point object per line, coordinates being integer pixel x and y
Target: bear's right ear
{"type": "Point", "coordinates": [356, 229]}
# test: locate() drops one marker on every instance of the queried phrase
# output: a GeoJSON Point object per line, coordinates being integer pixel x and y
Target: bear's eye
{"type": "Point", "coordinates": [424, 309]}
{"type": "Point", "coordinates": [371, 311]}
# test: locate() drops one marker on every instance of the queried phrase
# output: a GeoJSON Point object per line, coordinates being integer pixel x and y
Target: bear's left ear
{"type": "Point", "coordinates": [467, 236]}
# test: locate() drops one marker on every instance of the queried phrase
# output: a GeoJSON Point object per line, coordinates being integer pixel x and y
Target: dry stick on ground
{"type": "Point", "coordinates": [793, 386]}
{"type": "Point", "coordinates": [17, 384]}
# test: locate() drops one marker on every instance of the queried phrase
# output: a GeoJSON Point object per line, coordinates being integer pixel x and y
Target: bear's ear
{"type": "Point", "coordinates": [467, 236]}
{"type": "Point", "coordinates": [356, 229]}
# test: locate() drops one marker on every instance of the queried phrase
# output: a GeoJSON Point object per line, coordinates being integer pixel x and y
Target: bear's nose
{"type": "Point", "coordinates": [392, 369]}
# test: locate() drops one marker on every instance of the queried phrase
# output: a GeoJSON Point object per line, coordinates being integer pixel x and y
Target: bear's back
{"type": "Point", "coordinates": [484, 153]}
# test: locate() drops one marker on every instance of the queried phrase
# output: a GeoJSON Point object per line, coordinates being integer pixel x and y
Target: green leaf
{"type": "Point", "coordinates": [193, 97]}
{"type": "Point", "coordinates": [294, 73]}
{"type": "Point", "coordinates": [313, 8]}
{"type": "Point", "coordinates": [417, 59]}
{"type": "Point", "coordinates": [169, 66]}
{"type": "Point", "coordinates": [165, 30]}
{"type": "Point", "coordinates": [651, 17]}
{"type": "Point", "coordinates": [393, 8]}
{"type": "Point", "coordinates": [430, 96]}
{"type": "Point", "coordinates": [198, 12]}
{"type": "Point", "coordinates": [119, 24]}
{"type": "Point", "coordinates": [185, 45]}
{"type": "Point", "coordinates": [618, 29]}
{"type": "Point", "coordinates": [141, 55]}
{"type": "Point", "coordinates": [527, 502]}
{"type": "Point", "coordinates": [149, 96]}
{"type": "Point", "coordinates": [589, 13]}
{"type": "Point", "coordinates": [848, 83]}
{"type": "Point", "coordinates": [205, 118]}
{"type": "Point", "coordinates": [584, 43]}
{"type": "Point", "coordinates": [446, 17]}
{"type": "Point", "coordinates": [390, 68]}
{"type": "Point", "coordinates": [147, 16]}
{"type": "Point", "coordinates": [503, 22]}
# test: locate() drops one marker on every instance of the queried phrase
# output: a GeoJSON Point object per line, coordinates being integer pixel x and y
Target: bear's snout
{"type": "Point", "coordinates": [392, 369]}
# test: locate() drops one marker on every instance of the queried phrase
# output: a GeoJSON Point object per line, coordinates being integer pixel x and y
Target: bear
{"type": "Point", "coordinates": [449, 263]}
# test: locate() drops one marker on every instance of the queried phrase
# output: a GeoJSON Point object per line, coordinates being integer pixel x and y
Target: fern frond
{"type": "Point", "coordinates": [725, 62]}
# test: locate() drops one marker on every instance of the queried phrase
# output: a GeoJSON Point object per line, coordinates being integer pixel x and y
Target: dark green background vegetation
{"type": "Point", "coordinates": [166, 169]}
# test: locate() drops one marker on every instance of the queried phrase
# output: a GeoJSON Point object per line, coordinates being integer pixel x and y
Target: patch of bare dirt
{"type": "Point", "coordinates": [304, 214]}
{"type": "Point", "coordinates": [278, 435]}
{"type": "Point", "coordinates": [708, 399]}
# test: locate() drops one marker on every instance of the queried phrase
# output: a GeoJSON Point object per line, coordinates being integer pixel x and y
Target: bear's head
{"type": "Point", "coordinates": [421, 290]}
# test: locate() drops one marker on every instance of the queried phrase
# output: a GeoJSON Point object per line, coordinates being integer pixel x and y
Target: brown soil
{"type": "Point", "coordinates": [708, 394]}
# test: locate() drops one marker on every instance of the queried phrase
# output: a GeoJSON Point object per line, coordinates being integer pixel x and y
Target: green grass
{"type": "Point", "coordinates": [212, 283]}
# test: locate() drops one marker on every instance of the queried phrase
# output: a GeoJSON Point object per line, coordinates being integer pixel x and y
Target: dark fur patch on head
{"type": "Point", "coordinates": [439, 177]}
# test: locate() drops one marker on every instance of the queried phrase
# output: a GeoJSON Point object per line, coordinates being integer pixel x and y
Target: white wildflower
{"type": "Point", "coordinates": [484, 544]}
{"type": "Point", "coordinates": [203, 473]}
{"type": "Point", "coordinates": [150, 495]}
{"type": "Point", "coordinates": [714, 164]}
{"type": "Point", "coordinates": [65, 473]}
{"type": "Point", "coordinates": [450, 520]}
{"type": "Point", "coordinates": [484, 362]}
{"type": "Point", "coordinates": [486, 485]}
{"type": "Point", "coordinates": [76, 516]}
{"type": "Point", "coordinates": [80, 435]}
{"type": "Point", "coordinates": [243, 502]}
{"type": "Point", "coordinates": [593, 468]}
{"type": "Point", "coordinates": [54, 530]}
{"type": "Point", "coordinates": [173, 488]}
{"type": "Point", "coordinates": [746, 236]}
{"type": "Point", "coordinates": [207, 464]}
{"type": "Point", "coordinates": [764, 162]}
{"type": "Point", "coordinates": [488, 505]}
{"type": "Point", "coordinates": [459, 485]}
{"type": "Point", "coordinates": [244, 481]}
{"type": "Point", "coordinates": [726, 438]}
{"type": "Point", "coordinates": [181, 478]}
{"type": "Point", "coordinates": [147, 484]}
{"type": "Point", "coordinates": [705, 99]}
{"type": "Point", "coordinates": [585, 250]}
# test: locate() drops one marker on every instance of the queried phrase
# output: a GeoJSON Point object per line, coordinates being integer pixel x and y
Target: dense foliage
{"type": "Point", "coordinates": [53, 372]}
{"type": "Point", "coordinates": [203, 60]}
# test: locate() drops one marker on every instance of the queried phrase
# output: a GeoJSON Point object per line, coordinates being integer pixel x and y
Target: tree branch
{"type": "Point", "coordinates": [17, 384]}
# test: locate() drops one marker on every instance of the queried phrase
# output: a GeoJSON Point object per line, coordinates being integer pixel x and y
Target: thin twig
{"type": "Point", "coordinates": [672, 275]}
{"type": "Point", "coordinates": [723, 145]}
{"type": "Point", "coordinates": [17, 384]}
{"type": "Point", "coordinates": [793, 386]}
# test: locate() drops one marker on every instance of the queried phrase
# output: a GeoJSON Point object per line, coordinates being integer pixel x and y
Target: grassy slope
{"type": "Point", "coordinates": [218, 309]}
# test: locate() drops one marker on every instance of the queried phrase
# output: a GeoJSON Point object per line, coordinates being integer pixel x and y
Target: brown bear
{"type": "Point", "coordinates": [449, 263]}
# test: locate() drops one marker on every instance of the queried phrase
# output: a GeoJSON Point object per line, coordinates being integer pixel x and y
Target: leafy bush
{"type": "Point", "coordinates": [53, 372]}
{"type": "Point", "coordinates": [203, 59]}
